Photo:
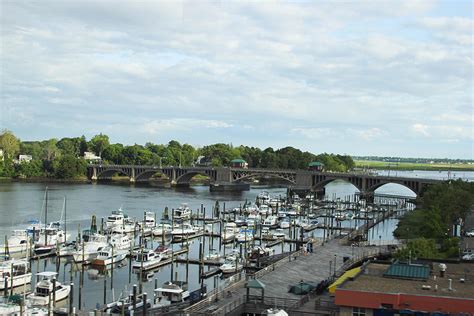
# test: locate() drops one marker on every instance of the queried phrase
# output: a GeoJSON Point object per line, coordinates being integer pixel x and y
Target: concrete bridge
{"type": "Point", "coordinates": [297, 179]}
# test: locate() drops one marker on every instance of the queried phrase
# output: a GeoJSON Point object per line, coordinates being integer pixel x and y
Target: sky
{"type": "Point", "coordinates": [387, 78]}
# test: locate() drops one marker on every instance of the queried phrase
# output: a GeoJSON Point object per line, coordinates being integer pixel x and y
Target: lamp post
{"type": "Point", "coordinates": [330, 266]}
{"type": "Point", "coordinates": [335, 260]}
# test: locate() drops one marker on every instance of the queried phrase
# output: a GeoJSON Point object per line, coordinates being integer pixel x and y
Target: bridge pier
{"type": "Point", "coordinates": [369, 197]}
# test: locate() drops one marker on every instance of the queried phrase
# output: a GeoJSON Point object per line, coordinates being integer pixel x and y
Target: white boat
{"type": "Point", "coordinates": [116, 219]}
{"type": "Point", "coordinates": [253, 219]}
{"type": "Point", "coordinates": [148, 221]}
{"type": "Point", "coordinates": [44, 291]}
{"type": "Point", "coordinates": [164, 251]}
{"type": "Point", "coordinates": [50, 238]}
{"type": "Point", "coordinates": [275, 312]}
{"type": "Point", "coordinates": [125, 304]}
{"type": "Point", "coordinates": [231, 265]}
{"type": "Point", "coordinates": [120, 242]}
{"type": "Point", "coordinates": [271, 221]}
{"type": "Point", "coordinates": [182, 212]}
{"type": "Point", "coordinates": [213, 255]}
{"type": "Point", "coordinates": [107, 256]}
{"type": "Point", "coordinates": [274, 203]}
{"type": "Point", "coordinates": [285, 223]}
{"type": "Point", "coordinates": [259, 251]}
{"type": "Point", "coordinates": [264, 210]}
{"type": "Point", "coordinates": [14, 273]}
{"type": "Point", "coordinates": [89, 250]}
{"type": "Point", "coordinates": [279, 233]}
{"type": "Point", "coordinates": [67, 249]}
{"type": "Point", "coordinates": [245, 235]}
{"type": "Point", "coordinates": [172, 292]}
{"type": "Point", "coordinates": [339, 216]}
{"type": "Point", "coordinates": [18, 242]}
{"type": "Point", "coordinates": [263, 197]}
{"type": "Point", "coordinates": [146, 260]}
{"type": "Point", "coordinates": [184, 230]}
{"type": "Point", "coordinates": [161, 229]}
{"type": "Point", "coordinates": [309, 224]}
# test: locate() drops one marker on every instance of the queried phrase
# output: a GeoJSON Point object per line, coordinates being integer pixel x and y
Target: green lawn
{"type": "Point", "coordinates": [411, 166]}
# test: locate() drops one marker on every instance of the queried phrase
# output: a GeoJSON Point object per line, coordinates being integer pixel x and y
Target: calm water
{"type": "Point", "coordinates": [20, 202]}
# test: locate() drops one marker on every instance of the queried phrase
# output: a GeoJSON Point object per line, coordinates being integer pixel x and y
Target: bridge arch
{"type": "Point", "coordinates": [321, 184]}
{"type": "Point", "coordinates": [186, 177]}
{"type": "Point", "coordinates": [243, 175]}
{"type": "Point", "coordinates": [146, 175]}
{"type": "Point", "coordinates": [410, 187]}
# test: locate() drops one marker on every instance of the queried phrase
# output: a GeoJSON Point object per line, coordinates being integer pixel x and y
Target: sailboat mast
{"type": "Point", "coordinates": [65, 218]}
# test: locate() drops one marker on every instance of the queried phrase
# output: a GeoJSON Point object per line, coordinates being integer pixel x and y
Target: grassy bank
{"type": "Point", "coordinates": [370, 164]}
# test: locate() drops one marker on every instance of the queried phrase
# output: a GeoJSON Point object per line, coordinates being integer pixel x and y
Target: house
{"type": "Point", "coordinates": [91, 157]}
{"type": "Point", "coordinates": [316, 166]}
{"type": "Point", "coordinates": [24, 158]}
{"type": "Point", "coordinates": [427, 288]}
{"type": "Point", "coordinates": [239, 163]}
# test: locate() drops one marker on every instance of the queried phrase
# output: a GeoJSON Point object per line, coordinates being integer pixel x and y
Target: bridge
{"type": "Point", "coordinates": [297, 179]}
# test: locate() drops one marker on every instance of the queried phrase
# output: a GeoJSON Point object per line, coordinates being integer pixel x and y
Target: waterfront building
{"type": "Point", "coordinates": [239, 163]}
{"type": "Point", "coordinates": [407, 288]}
{"type": "Point", "coordinates": [91, 157]}
{"type": "Point", "coordinates": [316, 166]}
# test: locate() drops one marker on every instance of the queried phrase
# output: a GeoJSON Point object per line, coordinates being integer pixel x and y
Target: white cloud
{"type": "Point", "coordinates": [421, 129]}
{"type": "Point", "coordinates": [181, 124]}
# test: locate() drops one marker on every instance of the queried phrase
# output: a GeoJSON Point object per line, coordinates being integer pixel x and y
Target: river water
{"type": "Point", "coordinates": [20, 202]}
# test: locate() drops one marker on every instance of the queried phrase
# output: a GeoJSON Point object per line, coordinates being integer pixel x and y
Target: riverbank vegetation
{"type": "Point", "coordinates": [428, 228]}
{"type": "Point", "coordinates": [64, 158]}
{"type": "Point", "coordinates": [434, 166]}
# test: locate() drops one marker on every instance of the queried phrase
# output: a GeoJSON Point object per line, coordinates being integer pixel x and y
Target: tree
{"type": "Point", "coordinates": [69, 167]}
{"type": "Point", "coordinates": [418, 248]}
{"type": "Point", "coordinates": [50, 150]}
{"type": "Point", "coordinates": [9, 143]}
{"type": "Point", "coordinates": [99, 143]}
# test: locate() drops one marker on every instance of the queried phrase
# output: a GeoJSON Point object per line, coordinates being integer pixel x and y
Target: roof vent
{"type": "Point", "coordinates": [426, 287]}
{"type": "Point", "coordinates": [462, 280]}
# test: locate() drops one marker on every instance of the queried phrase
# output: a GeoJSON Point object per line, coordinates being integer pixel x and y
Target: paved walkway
{"type": "Point", "coordinates": [313, 267]}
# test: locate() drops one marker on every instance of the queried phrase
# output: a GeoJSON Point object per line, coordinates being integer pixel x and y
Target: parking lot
{"type": "Point", "coordinates": [468, 242]}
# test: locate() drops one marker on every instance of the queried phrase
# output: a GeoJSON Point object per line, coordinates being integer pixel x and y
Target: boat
{"type": "Point", "coordinates": [44, 291]}
{"type": "Point", "coordinates": [253, 219]}
{"type": "Point", "coordinates": [147, 259]}
{"type": "Point", "coordinates": [18, 242]}
{"type": "Point", "coordinates": [184, 230]}
{"type": "Point", "coordinates": [240, 221]}
{"type": "Point", "coordinates": [162, 229]}
{"type": "Point", "coordinates": [183, 212]}
{"type": "Point", "coordinates": [264, 210]}
{"type": "Point", "coordinates": [310, 224]}
{"type": "Point", "coordinates": [245, 235]}
{"type": "Point", "coordinates": [285, 223]}
{"type": "Point", "coordinates": [68, 249]}
{"type": "Point", "coordinates": [128, 226]}
{"type": "Point", "coordinates": [164, 251]}
{"type": "Point", "coordinates": [50, 238]}
{"type": "Point", "coordinates": [109, 255]}
{"type": "Point", "coordinates": [172, 292]}
{"type": "Point", "coordinates": [89, 250]}
{"type": "Point", "coordinates": [231, 265]}
{"type": "Point", "coordinates": [212, 255]}
{"type": "Point", "coordinates": [230, 230]}
{"type": "Point", "coordinates": [275, 312]}
{"type": "Point", "coordinates": [350, 216]}
{"type": "Point", "coordinates": [259, 251]}
{"type": "Point", "coordinates": [279, 233]}
{"type": "Point", "coordinates": [339, 216]}
{"type": "Point", "coordinates": [116, 219]}
{"type": "Point", "coordinates": [263, 197]}
{"type": "Point", "coordinates": [125, 305]}
{"type": "Point", "coordinates": [266, 233]}
{"type": "Point", "coordinates": [120, 242]}
{"type": "Point", "coordinates": [148, 221]}
{"type": "Point", "coordinates": [14, 273]}
{"type": "Point", "coordinates": [271, 221]}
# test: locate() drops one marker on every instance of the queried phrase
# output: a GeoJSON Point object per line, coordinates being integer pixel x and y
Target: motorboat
{"type": "Point", "coordinates": [271, 221]}
{"type": "Point", "coordinates": [259, 251]}
{"type": "Point", "coordinates": [172, 292]}
{"type": "Point", "coordinates": [279, 233]}
{"type": "Point", "coordinates": [109, 255]}
{"type": "Point", "coordinates": [128, 226]}
{"type": "Point", "coordinates": [263, 197]}
{"type": "Point", "coordinates": [45, 292]}
{"type": "Point", "coordinates": [125, 305]}
{"type": "Point", "coordinates": [339, 216]}
{"type": "Point", "coordinates": [162, 229]}
{"type": "Point", "coordinates": [146, 259]}
{"type": "Point", "coordinates": [120, 242]}
{"type": "Point", "coordinates": [89, 250]}
{"type": "Point", "coordinates": [184, 230]}
{"type": "Point", "coordinates": [231, 265]}
{"type": "Point", "coordinates": [253, 219]}
{"type": "Point", "coordinates": [183, 212]}
{"type": "Point", "coordinates": [309, 224]}
{"type": "Point", "coordinates": [18, 242]}
{"type": "Point", "coordinates": [266, 233]}
{"type": "Point", "coordinates": [164, 251]}
{"type": "Point", "coordinates": [14, 273]}
{"type": "Point", "coordinates": [240, 221]}
{"type": "Point", "coordinates": [213, 255]}
{"type": "Point", "coordinates": [50, 238]}
{"type": "Point", "coordinates": [116, 219]}
{"type": "Point", "coordinates": [264, 210]}
{"type": "Point", "coordinates": [68, 249]}
{"type": "Point", "coordinates": [148, 221]}
{"type": "Point", "coordinates": [285, 223]}
{"type": "Point", "coordinates": [245, 235]}
{"type": "Point", "coordinates": [230, 230]}
{"type": "Point", "coordinates": [275, 312]}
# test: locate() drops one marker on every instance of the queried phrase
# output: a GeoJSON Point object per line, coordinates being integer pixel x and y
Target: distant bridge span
{"type": "Point", "coordinates": [297, 179]}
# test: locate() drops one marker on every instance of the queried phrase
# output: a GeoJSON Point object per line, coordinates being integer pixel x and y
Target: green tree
{"type": "Point", "coordinates": [9, 143]}
{"type": "Point", "coordinates": [99, 143]}
{"type": "Point", "coordinates": [418, 248]}
{"type": "Point", "coordinates": [69, 167]}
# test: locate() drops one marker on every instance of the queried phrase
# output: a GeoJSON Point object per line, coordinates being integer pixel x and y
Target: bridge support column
{"type": "Point", "coordinates": [132, 176]}
{"type": "Point", "coordinates": [94, 174]}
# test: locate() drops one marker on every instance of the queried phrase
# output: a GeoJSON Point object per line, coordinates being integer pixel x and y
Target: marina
{"type": "Point", "coordinates": [202, 245]}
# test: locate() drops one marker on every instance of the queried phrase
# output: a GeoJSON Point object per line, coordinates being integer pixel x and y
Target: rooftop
{"type": "Point", "coordinates": [238, 161]}
{"type": "Point", "coordinates": [372, 279]}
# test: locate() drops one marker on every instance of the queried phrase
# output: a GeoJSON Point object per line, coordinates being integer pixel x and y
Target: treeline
{"type": "Point", "coordinates": [64, 158]}
{"type": "Point", "coordinates": [429, 227]}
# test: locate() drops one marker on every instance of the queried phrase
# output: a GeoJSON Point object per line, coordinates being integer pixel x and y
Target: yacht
{"type": "Point", "coordinates": [120, 242]}
{"type": "Point", "coordinates": [68, 249]}
{"type": "Point", "coordinates": [128, 226]}
{"type": "Point", "coordinates": [146, 260]}
{"type": "Point", "coordinates": [49, 238]}
{"type": "Point", "coordinates": [279, 233]}
{"type": "Point", "coordinates": [259, 251]}
{"type": "Point", "coordinates": [339, 216]}
{"type": "Point", "coordinates": [184, 230]}
{"type": "Point", "coordinates": [231, 265]}
{"type": "Point", "coordinates": [14, 273]}
{"type": "Point", "coordinates": [229, 232]}
{"type": "Point", "coordinates": [116, 219]}
{"type": "Point", "coordinates": [253, 219]}
{"type": "Point", "coordinates": [109, 255]}
{"type": "Point", "coordinates": [183, 212]}
{"type": "Point", "coordinates": [18, 242]}
{"type": "Point", "coordinates": [162, 229]}
{"type": "Point", "coordinates": [44, 291]}
{"type": "Point", "coordinates": [240, 221]}
{"type": "Point", "coordinates": [263, 197]}
{"type": "Point", "coordinates": [213, 255]}
{"type": "Point", "coordinates": [309, 224]}
{"type": "Point", "coordinates": [285, 223]}
{"type": "Point", "coordinates": [164, 251]}
{"type": "Point", "coordinates": [125, 304]}
{"type": "Point", "coordinates": [264, 210]}
{"type": "Point", "coordinates": [271, 221]}
{"type": "Point", "coordinates": [90, 249]}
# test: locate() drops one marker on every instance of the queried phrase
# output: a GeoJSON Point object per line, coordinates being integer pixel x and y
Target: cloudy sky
{"type": "Point", "coordinates": [356, 77]}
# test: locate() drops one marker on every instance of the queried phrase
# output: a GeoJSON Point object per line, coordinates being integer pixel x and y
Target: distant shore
{"type": "Point", "coordinates": [409, 166]}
